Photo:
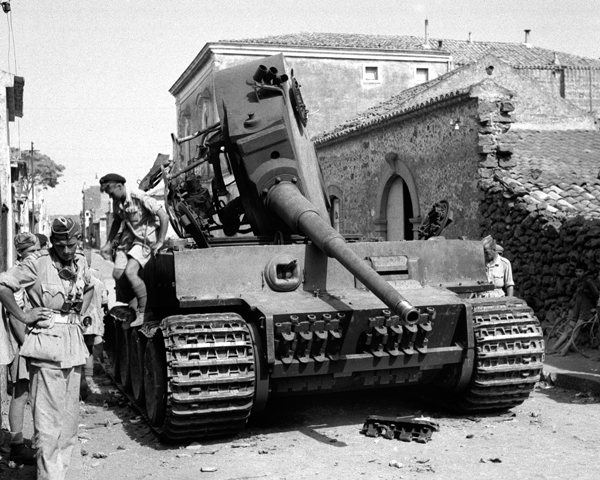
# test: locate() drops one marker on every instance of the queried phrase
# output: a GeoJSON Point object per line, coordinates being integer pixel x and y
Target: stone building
{"type": "Point", "coordinates": [483, 137]}
{"type": "Point", "coordinates": [95, 214]}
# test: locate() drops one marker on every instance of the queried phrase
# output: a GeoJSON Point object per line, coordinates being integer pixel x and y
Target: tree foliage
{"type": "Point", "coordinates": [46, 171]}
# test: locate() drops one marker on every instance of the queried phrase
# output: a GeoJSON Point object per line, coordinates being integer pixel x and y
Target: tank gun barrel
{"type": "Point", "coordinates": [300, 214]}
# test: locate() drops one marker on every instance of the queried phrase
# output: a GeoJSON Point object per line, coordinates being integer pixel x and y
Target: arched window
{"type": "Point", "coordinates": [336, 196]}
{"type": "Point", "coordinates": [334, 213]}
{"type": "Point", "coordinates": [185, 129]}
{"type": "Point", "coordinates": [204, 104]}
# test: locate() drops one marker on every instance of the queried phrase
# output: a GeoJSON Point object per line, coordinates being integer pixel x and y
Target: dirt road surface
{"type": "Point", "coordinates": [553, 435]}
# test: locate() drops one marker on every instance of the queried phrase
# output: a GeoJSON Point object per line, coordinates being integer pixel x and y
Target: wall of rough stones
{"type": "Point", "coordinates": [543, 247]}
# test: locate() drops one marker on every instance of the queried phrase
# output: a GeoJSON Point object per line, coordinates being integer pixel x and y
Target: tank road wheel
{"type": "Point", "coordinates": [155, 380]}
{"type": "Point", "coordinates": [509, 355]}
{"type": "Point", "coordinates": [136, 365]}
{"type": "Point", "coordinates": [211, 374]}
{"type": "Point", "coordinates": [261, 371]}
{"type": "Point", "coordinates": [123, 354]}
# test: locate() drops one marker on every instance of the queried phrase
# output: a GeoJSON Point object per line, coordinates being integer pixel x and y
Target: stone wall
{"type": "Point", "coordinates": [447, 146]}
{"type": "Point", "coordinates": [438, 145]}
{"type": "Point", "coordinates": [543, 247]}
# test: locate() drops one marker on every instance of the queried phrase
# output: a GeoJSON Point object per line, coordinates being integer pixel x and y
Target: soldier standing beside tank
{"type": "Point", "coordinates": [145, 228]}
{"type": "Point", "coordinates": [55, 281]}
{"type": "Point", "coordinates": [499, 271]}
{"type": "Point", "coordinates": [26, 244]}
{"type": "Point", "coordinates": [94, 329]}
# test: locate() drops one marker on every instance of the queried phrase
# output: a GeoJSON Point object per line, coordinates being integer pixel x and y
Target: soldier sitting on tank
{"type": "Point", "coordinates": [143, 236]}
{"type": "Point", "coordinates": [498, 270]}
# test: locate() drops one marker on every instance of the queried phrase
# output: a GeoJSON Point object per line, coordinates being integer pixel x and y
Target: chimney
{"type": "Point", "coordinates": [440, 44]}
{"type": "Point", "coordinates": [426, 44]}
{"type": "Point", "coordinates": [527, 44]}
{"type": "Point", "coordinates": [470, 37]}
{"type": "Point", "coordinates": [556, 61]}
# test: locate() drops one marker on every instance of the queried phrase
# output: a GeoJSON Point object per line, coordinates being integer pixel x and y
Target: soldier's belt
{"type": "Point", "coordinates": [72, 318]}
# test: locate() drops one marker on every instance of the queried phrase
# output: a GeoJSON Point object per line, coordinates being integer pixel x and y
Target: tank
{"type": "Point", "coordinates": [262, 298]}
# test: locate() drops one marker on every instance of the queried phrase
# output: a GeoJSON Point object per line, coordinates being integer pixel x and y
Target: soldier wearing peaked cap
{"type": "Point", "coordinates": [144, 225]}
{"type": "Point", "coordinates": [57, 282]}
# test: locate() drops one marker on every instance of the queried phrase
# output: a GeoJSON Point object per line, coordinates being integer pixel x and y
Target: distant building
{"type": "Point", "coordinates": [11, 106]}
{"type": "Point", "coordinates": [95, 216]}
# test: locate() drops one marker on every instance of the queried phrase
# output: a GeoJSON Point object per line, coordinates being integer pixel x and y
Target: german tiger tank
{"type": "Point", "coordinates": [263, 298]}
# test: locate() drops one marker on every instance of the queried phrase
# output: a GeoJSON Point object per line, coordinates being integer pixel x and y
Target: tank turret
{"type": "Point", "coordinates": [264, 120]}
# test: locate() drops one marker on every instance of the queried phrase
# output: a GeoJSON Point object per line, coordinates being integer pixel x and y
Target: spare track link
{"type": "Point", "coordinates": [405, 429]}
{"type": "Point", "coordinates": [210, 374]}
{"type": "Point", "coordinates": [509, 355]}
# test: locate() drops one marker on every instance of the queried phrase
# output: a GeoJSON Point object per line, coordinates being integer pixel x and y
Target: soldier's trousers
{"type": "Point", "coordinates": [54, 396]}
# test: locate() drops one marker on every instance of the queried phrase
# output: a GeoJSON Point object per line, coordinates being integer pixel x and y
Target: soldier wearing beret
{"type": "Point", "coordinates": [57, 282]}
{"type": "Point", "coordinates": [141, 225]}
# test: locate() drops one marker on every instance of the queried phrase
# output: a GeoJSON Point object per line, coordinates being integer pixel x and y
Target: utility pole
{"type": "Point", "coordinates": [32, 226]}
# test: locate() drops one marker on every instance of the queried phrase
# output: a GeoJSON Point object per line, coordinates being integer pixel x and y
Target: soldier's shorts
{"type": "Point", "coordinates": [140, 253]}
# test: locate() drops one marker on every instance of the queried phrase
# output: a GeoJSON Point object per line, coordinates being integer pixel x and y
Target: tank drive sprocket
{"type": "Point", "coordinates": [210, 376]}
{"type": "Point", "coordinates": [509, 355]}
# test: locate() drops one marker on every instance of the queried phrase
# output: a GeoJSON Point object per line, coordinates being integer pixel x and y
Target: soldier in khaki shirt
{"type": "Point", "coordinates": [142, 223]}
{"type": "Point", "coordinates": [498, 270]}
{"type": "Point", "coordinates": [57, 283]}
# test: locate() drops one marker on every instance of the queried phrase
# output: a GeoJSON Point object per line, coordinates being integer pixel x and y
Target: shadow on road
{"type": "Point", "coordinates": [307, 414]}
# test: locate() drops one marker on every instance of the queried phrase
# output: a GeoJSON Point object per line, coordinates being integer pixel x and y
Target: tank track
{"type": "Point", "coordinates": [210, 375]}
{"type": "Point", "coordinates": [210, 369]}
{"type": "Point", "coordinates": [509, 355]}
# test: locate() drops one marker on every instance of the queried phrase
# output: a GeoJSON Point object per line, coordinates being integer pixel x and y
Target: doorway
{"type": "Point", "coordinates": [399, 211]}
